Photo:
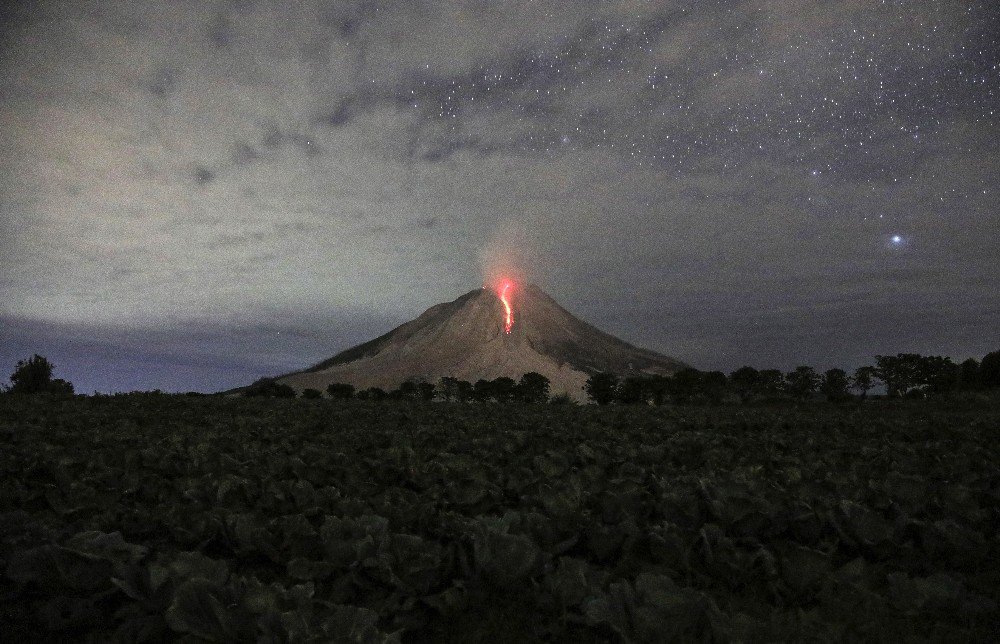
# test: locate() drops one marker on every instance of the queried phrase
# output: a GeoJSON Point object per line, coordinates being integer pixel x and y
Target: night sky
{"type": "Point", "coordinates": [196, 194]}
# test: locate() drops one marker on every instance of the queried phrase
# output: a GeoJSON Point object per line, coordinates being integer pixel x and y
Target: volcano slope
{"type": "Point", "coordinates": [465, 339]}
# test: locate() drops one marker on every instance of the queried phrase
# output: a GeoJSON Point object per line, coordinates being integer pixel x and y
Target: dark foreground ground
{"type": "Point", "coordinates": [152, 518]}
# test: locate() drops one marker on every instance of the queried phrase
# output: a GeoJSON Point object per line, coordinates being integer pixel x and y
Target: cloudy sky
{"type": "Point", "coordinates": [196, 194]}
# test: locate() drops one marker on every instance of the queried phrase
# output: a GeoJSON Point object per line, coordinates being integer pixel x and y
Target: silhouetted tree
{"type": "Point", "coordinates": [802, 382]}
{"type": "Point", "coordinates": [937, 374]}
{"type": "Point", "coordinates": [463, 391]}
{"type": "Point", "coordinates": [34, 375]}
{"type": "Point", "coordinates": [503, 389]}
{"type": "Point", "coordinates": [770, 383]}
{"type": "Point", "coordinates": [372, 393]}
{"type": "Point", "coordinates": [864, 380]}
{"type": "Point", "coordinates": [269, 388]}
{"type": "Point", "coordinates": [633, 390]}
{"type": "Point", "coordinates": [60, 386]}
{"type": "Point", "coordinates": [406, 390]}
{"type": "Point", "coordinates": [745, 382]}
{"type": "Point", "coordinates": [685, 386]}
{"type": "Point", "coordinates": [340, 390]}
{"type": "Point", "coordinates": [835, 385]}
{"type": "Point", "coordinates": [533, 388]}
{"type": "Point", "coordinates": [601, 388]}
{"type": "Point", "coordinates": [482, 391]}
{"type": "Point", "coordinates": [898, 372]}
{"type": "Point", "coordinates": [713, 386]}
{"type": "Point", "coordinates": [312, 394]}
{"type": "Point", "coordinates": [425, 390]}
{"type": "Point", "coordinates": [989, 371]}
{"type": "Point", "coordinates": [448, 388]}
{"type": "Point", "coordinates": [968, 375]}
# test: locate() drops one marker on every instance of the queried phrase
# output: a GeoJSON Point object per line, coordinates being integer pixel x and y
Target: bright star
{"type": "Point", "coordinates": [896, 241]}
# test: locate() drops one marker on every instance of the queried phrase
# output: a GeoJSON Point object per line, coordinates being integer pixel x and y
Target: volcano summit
{"type": "Point", "coordinates": [487, 334]}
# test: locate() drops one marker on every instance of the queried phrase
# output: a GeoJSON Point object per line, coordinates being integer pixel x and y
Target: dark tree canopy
{"type": "Point", "coordinates": [989, 371]}
{"type": "Point", "coordinates": [533, 388]}
{"type": "Point", "coordinates": [406, 390]}
{"type": "Point", "coordinates": [914, 374]}
{"type": "Point", "coordinates": [770, 383]}
{"type": "Point", "coordinates": [864, 380]}
{"type": "Point", "coordinates": [685, 386]}
{"type": "Point", "coordinates": [500, 389]}
{"type": "Point", "coordinates": [503, 389]}
{"type": "Point", "coordinates": [601, 388]}
{"type": "Point", "coordinates": [269, 388]}
{"type": "Point", "coordinates": [968, 375]}
{"type": "Point", "coordinates": [937, 374]}
{"type": "Point", "coordinates": [713, 387]}
{"type": "Point", "coordinates": [463, 391]}
{"type": "Point", "coordinates": [482, 390]}
{"type": "Point", "coordinates": [60, 386]}
{"type": "Point", "coordinates": [745, 382]}
{"type": "Point", "coordinates": [372, 393]}
{"type": "Point", "coordinates": [425, 390]}
{"type": "Point", "coordinates": [835, 385]}
{"type": "Point", "coordinates": [448, 388]}
{"type": "Point", "coordinates": [34, 376]}
{"type": "Point", "coordinates": [633, 390]}
{"type": "Point", "coordinates": [898, 372]}
{"type": "Point", "coordinates": [802, 382]}
{"type": "Point", "coordinates": [340, 390]}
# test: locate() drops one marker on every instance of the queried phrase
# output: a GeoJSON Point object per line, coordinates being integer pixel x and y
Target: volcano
{"type": "Point", "coordinates": [486, 334]}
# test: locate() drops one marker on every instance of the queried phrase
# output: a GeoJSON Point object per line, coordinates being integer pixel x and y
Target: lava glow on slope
{"type": "Point", "coordinates": [504, 292]}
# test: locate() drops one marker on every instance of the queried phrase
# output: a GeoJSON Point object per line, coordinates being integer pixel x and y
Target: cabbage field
{"type": "Point", "coordinates": [153, 518]}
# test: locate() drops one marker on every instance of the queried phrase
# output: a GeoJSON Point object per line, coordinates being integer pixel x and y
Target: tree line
{"type": "Point", "coordinates": [901, 375]}
{"type": "Point", "coordinates": [531, 388]}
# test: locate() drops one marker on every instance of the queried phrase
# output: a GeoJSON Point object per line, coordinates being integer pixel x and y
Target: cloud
{"type": "Point", "coordinates": [220, 31]}
{"type": "Point", "coordinates": [244, 153]}
{"type": "Point", "coordinates": [162, 82]}
{"type": "Point", "coordinates": [721, 169]}
{"type": "Point", "coordinates": [203, 176]}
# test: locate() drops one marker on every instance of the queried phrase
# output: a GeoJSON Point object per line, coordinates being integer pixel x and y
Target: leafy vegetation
{"type": "Point", "coordinates": [155, 517]}
{"type": "Point", "coordinates": [603, 387]}
{"type": "Point", "coordinates": [269, 388]}
{"type": "Point", "coordinates": [340, 390]}
{"type": "Point", "coordinates": [34, 376]}
{"type": "Point", "coordinates": [905, 374]}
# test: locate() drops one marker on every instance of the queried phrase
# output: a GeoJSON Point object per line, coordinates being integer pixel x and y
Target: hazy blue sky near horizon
{"type": "Point", "coordinates": [196, 194]}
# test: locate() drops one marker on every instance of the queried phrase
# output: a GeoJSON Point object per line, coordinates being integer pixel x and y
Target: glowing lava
{"type": "Point", "coordinates": [504, 292]}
